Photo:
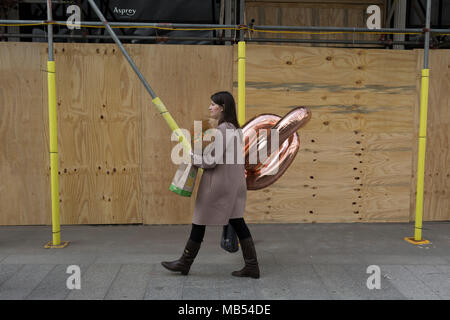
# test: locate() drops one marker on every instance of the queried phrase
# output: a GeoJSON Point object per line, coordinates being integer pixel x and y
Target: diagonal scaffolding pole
{"type": "Point", "coordinates": [155, 99]}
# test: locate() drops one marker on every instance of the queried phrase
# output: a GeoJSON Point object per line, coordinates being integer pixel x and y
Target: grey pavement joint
{"type": "Point", "coordinates": [297, 261]}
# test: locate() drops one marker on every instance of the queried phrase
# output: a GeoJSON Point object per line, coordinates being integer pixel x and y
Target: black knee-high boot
{"type": "Point", "coordinates": [183, 264]}
{"type": "Point", "coordinates": [251, 268]}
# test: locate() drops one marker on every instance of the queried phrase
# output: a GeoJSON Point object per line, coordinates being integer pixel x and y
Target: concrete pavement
{"type": "Point", "coordinates": [297, 261]}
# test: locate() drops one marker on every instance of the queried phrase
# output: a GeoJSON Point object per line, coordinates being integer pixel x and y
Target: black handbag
{"type": "Point", "coordinates": [229, 240]}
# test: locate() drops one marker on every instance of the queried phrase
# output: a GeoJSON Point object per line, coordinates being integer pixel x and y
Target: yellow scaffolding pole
{"type": "Point", "coordinates": [422, 148]}
{"type": "Point", "coordinates": [424, 86]}
{"type": "Point", "coordinates": [53, 134]}
{"type": "Point", "coordinates": [241, 82]}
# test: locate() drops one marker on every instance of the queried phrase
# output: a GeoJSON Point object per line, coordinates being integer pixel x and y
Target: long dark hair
{"type": "Point", "coordinates": [226, 100]}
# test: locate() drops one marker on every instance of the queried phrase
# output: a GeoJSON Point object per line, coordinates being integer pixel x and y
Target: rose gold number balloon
{"type": "Point", "coordinates": [257, 138]}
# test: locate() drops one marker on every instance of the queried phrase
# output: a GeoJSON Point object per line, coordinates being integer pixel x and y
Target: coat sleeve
{"type": "Point", "coordinates": [209, 158]}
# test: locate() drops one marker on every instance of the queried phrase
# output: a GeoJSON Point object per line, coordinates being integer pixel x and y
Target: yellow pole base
{"type": "Point", "coordinates": [414, 241]}
{"type": "Point", "coordinates": [50, 245]}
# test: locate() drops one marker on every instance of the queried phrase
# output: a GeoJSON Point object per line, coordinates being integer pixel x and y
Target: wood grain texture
{"type": "Point", "coordinates": [313, 14]}
{"type": "Point", "coordinates": [100, 121]}
{"type": "Point", "coordinates": [23, 155]}
{"type": "Point", "coordinates": [355, 157]}
{"type": "Point", "coordinates": [356, 163]}
{"type": "Point", "coordinates": [184, 77]}
{"type": "Point", "coordinates": [436, 204]}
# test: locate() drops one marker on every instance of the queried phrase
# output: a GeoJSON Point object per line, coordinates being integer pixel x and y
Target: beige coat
{"type": "Point", "coordinates": [223, 189]}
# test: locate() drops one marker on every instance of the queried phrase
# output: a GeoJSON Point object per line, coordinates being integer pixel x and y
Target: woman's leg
{"type": "Point", "coordinates": [183, 264]}
{"type": "Point", "coordinates": [240, 227]}
{"type": "Point", "coordinates": [197, 233]}
{"type": "Point", "coordinates": [251, 268]}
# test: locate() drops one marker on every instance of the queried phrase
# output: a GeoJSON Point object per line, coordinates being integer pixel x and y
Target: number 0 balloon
{"type": "Point", "coordinates": [268, 170]}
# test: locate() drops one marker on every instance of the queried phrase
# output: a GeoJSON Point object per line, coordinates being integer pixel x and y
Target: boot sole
{"type": "Point", "coordinates": [183, 272]}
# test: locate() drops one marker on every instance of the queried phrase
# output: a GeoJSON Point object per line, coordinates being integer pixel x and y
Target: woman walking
{"type": "Point", "coordinates": [221, 194]}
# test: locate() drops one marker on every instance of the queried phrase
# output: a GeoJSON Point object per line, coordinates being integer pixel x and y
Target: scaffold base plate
{"type": "Point", "coordinates": [50, 245]}
{"type": "Point", "coordinates": [413, 241]}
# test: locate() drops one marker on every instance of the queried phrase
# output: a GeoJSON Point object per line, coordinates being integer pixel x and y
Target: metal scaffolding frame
{"type": "Point", "coordinates": [241, 28]}
{"type": "Point", "coordinates": [417, 239]}
{"type": "Point", "coordinates": [228, 26]}
{"type": "Point", "coordinates": [163, 39]}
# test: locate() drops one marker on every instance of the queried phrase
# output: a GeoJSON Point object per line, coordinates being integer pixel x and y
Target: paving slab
{"type": "Point", "coordinates": [54, 285]}
{"type": "Point", "coordinates": [8, 270]}
{"type": "Point", "coordinates": [131, 282]}
{"type": "Point", "coordinates": [407, 283]}
{"type": "Point", "coordinates": [22, 283]}
{"type": "Point", "coordinates": [437, 279]}
{"type": "Point", "coordinates": [95, 282]}
{"type": "Point", "coordinates": [297, 261]}
{"type": "Point", "coordinates": [164, 285]}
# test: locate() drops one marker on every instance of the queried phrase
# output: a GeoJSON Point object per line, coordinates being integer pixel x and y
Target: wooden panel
{"type": "Point", "coordinates": [437, 159]}
{"type": "Point", "coordinates": [23, 154]}
{"type": "Point", "coordinates": [114, 148]}
{"type": "Point", "coordinates": [293, 17]}
{"type": "Point", "coordinates": [100, 135]}
{"type": "Point", "coordinates": [334, 2]}
{"type": "Point", "coordinates": [331, 69]}
{"type": "Point", "coordinates": [309, 13]}
{"type": "Point", "coordinates": [354, 163]}
{"type": "Point", "coordinates": [357, 154]}
{"type": "Point", "coordinates": [184, 79]}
